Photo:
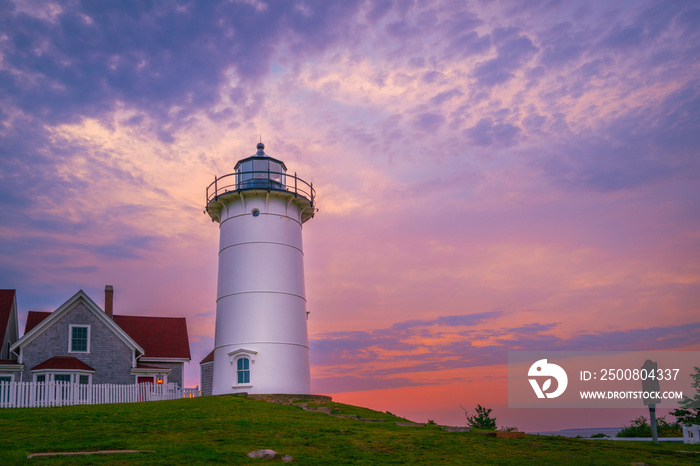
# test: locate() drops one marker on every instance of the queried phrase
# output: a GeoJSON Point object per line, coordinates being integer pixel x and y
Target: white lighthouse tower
{"type": "Point", "coordinates": [261, 341]}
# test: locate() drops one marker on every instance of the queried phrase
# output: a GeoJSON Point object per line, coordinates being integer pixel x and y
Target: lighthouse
{"type": "Point", "coordinates": [261, 342]}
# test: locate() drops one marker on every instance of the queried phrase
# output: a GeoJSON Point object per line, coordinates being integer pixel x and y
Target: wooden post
{"type": "Point", "coordinates": [652, 421]}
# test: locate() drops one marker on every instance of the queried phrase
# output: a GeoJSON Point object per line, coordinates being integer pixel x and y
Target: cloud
{"type": "Point", "coordinates": [450, 321]}
{"type": "Point", "coordinates": [562, 44]}
{"type": "Point", "coordinates": [351, 383]}
{"type": "Point", "coordinates": [513, 51]}
{"type": "Point", "coordinates": [488, 133]}
{"type": "Point", "coordinates": [412, 347]}
{"type": "Point", "coordinates": [641, 146]}
{"type": "Point", "coordinates": [428, 121]}
{"type": "Point", "coordinates": [152, 56]}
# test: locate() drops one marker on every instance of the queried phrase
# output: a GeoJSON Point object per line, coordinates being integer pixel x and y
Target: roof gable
{"type": "Point", "coordinates": [41, 324]}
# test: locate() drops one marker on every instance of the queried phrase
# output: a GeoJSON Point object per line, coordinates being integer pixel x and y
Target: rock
{"type": "Point", "coordinates": [287, 459]}
{"type": "Point", "coordinates": [262, 454]}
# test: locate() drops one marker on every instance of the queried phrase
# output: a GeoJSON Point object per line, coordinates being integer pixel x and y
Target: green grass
{"type": "Point", "coordinates": [223, 429]}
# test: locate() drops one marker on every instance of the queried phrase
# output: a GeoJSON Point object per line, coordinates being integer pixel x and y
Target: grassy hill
{"type": "Point", "coordinates": [223, 429]}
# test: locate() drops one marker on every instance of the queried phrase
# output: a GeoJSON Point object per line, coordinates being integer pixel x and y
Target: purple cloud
{"type": "Point", "coordinates": [487, 133]}
{"type": "Point", "coordinates": [639, 147]}
{"type": "Point", "coordinates": [151, 55]}
{"type": "Point", "coordinates": [513, 51]}
{"type": "Point", "coordinates": [364, 350]}
{"type": "Point", "coordinates": [428, 121]}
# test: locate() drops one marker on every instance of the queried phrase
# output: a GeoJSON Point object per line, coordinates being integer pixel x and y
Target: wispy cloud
{"type": "Point", "coordinates": [399, 354]}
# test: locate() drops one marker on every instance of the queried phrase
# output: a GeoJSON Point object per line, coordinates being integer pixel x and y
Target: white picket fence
{"type": "Point", "coordinates": [43, 394]}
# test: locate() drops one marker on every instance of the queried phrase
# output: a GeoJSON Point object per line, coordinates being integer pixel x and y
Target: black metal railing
{"type": "Point", "coordinates": [264, 180]}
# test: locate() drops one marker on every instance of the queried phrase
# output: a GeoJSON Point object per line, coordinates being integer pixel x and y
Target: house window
{"type": "Point", "coordinates": [79, 339]}
{"type": "Point", "coordinates": [84, 380]}
{"type": "Point", "coordinates": [41, 378]}
{"type": "Point", "coordinates": [5, 378]}
{"type": "Point", "coordinates": [61, 378]}
{"type": "Point", "coordinates": [243, 370]}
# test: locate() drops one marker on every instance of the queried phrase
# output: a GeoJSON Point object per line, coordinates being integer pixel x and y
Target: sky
{"type": "Point", "coordinates": [491, 176]}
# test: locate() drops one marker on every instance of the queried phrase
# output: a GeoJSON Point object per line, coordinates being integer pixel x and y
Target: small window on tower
{"type": "Point", "coordinates": [255, 212]}
{"type": "Point", "coordinates": [243, 370]}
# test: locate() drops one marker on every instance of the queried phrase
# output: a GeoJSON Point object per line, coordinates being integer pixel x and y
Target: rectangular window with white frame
{"type": "Point", "coordinates": [65, 378]}
{"type": "Point", "coordinates": [79, 339]}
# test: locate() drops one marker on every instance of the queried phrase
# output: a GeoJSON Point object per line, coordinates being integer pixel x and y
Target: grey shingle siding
{"type": "Point", "coordinates": [109, 355]}
{"type": "Point", "coordinates": [206, 377]}
{"type": "Point", "coordinates": [177, 370]}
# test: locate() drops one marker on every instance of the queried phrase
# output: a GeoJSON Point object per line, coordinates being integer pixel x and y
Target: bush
{"type": "Point", "coordinates": [640, 427]}
{"type": "Point", "coordinates": [689, 411]}
{"type": "Point", "coordinates": [600, 435]}
{"type": "Point", "coordinates": [481, 420]}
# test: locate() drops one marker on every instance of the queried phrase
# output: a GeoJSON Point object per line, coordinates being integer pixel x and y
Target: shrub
{"type": "Point", "coordinates": [689, 411]}
{"type": "Point", "coordinates": [482, 419]}
{"type": "Point", "coordinates": [640, 427]}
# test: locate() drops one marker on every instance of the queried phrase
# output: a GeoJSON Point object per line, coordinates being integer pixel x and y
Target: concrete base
{"type": "Point", "coordinates": [506, 434]}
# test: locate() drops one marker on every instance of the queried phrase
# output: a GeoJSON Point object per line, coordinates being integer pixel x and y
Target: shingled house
{"type": "Point", "coordinates": [81, 343]}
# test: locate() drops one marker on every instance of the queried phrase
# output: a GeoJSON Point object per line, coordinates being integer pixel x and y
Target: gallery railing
{"type": "Point", "coordinates": [264, 180]}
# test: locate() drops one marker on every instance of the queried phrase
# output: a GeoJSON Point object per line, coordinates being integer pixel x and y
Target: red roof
{"type": "Point", "coordinates": [7, 297]}
{"type": "Point", "coordinates": [145, 366]}
{"type": "Point", "coordinates": [63, 362]}
{"type": "Point", "coordinates": [33, 319]}
{"type": "Point", "coordinates": [9, 362]}
{"type": "Point", "coordinates": [160, 337]}
{"type": "Point", "coordinates": [209, 358]}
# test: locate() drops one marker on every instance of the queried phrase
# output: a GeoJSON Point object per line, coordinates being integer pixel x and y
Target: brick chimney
{"type": "Point", "coordinates": [109, 300]}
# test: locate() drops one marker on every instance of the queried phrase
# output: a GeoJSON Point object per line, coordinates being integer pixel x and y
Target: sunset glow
{"type": "Point", "coordinates": [490, 176]}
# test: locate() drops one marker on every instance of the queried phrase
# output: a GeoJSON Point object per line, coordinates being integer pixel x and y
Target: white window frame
{"type": "Point", "coordinates": [51, 375]}
{"type": "Point", "coordinates": [70, 337]}
{"type": "Point", "coordinates": [11, 376]}
{"type": "Point", "coordinates": [240, 359]}
{"type": "Point", "coordinates": [234, 356]}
